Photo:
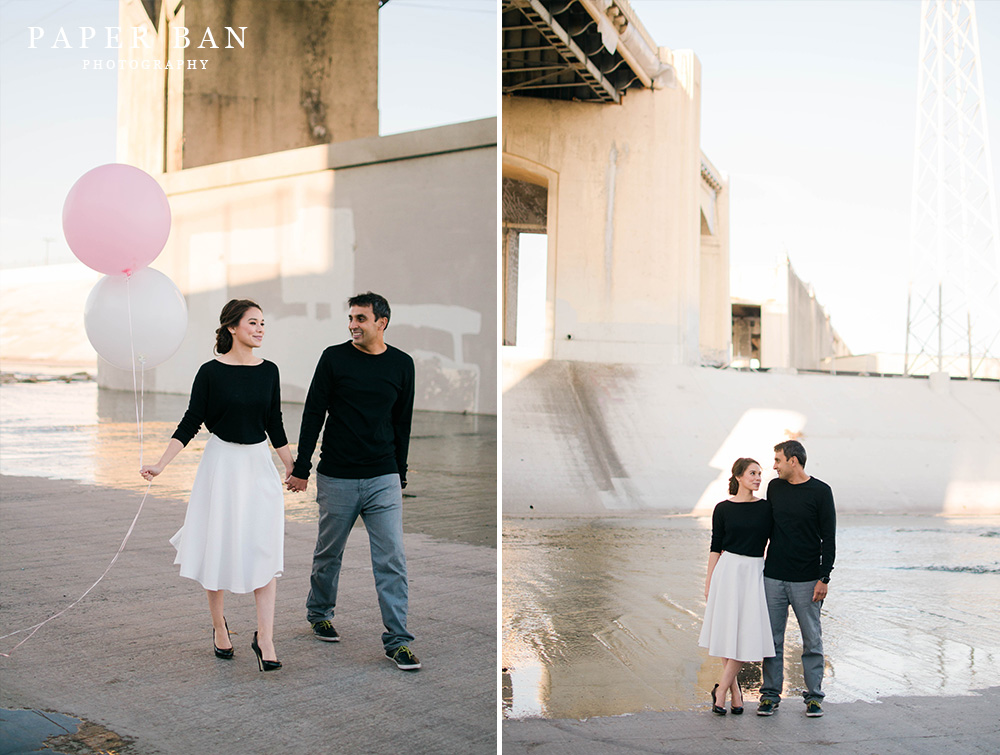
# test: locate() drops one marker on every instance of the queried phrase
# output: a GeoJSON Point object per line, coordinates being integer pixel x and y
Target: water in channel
{"type": "Point", "coordinates": [77, 431]}
{"type": "Point", "coordinates": [601, 616]}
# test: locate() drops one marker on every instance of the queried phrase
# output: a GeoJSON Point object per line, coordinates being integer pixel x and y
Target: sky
{"type": "Point", "coordinates": [57, 120]}
{"type": "Point", "coordinates": [809, 107]}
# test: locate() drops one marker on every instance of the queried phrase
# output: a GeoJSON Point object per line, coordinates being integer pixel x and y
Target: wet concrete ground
{"type": "Point", "coordinates": [964, 725]}
{"type": "Point", "coordinates": [133, 662]}
{"type": "Point", "coordinates": [25, 731]}
{"type": "Point", "coordinates": [601, 616]}
{"type": "Point", "coordinates": [135, 657]}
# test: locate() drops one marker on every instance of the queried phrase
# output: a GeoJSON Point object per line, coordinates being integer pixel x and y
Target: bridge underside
{"type": "Point", "coordinates": [570, 50]}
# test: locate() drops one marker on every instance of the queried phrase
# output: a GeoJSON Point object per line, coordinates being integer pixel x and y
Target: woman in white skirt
{"type": "Point", "coordinates": [737, 628]}
{"type": "Point", "coordinates": [233, 533]}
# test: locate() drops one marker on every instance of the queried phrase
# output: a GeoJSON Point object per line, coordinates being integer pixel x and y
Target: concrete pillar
{"type": "Point", "coordinates": [624, 221]}
{"type": "Point", "coordinates": [301, 72]}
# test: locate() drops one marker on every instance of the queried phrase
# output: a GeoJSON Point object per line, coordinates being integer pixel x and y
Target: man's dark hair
{"type": "Point", "coordinates": [792, 448]}
{"type": "Point", "coordinates": [379, 305]}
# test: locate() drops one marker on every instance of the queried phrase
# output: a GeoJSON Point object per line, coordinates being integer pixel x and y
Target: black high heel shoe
{"type": "Point", "coordinates": [716, 709]}
{"type": "Point", "coordinates": [733, 709]}
{"type": "Point", "coordinates": [261, 663]}
{"type": "Point", "coordinates": [227, 654]}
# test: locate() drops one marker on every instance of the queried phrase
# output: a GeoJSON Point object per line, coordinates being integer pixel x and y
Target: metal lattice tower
{"type": "Point", "coordinates": [953, 310]}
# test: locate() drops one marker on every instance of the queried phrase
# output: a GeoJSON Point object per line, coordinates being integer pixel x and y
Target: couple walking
{"type": "Point", "coordinates": [233, 533]}
{"type": "Point", "coordinates": [749, 595]}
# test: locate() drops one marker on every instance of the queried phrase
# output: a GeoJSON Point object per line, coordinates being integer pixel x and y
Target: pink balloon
{"type": "Point", "coordinates": [116, 219]}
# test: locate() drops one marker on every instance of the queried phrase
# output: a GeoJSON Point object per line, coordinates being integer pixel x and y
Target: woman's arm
{"type": "Point", "coordinates": [173, 448]}
{"type": "Point", "coordinates": [715, 549]}
{"type": "Point", "coordinates": [713, 559]}
{"type": "Point", "coordinates": [285, 454]}
{"type": "Point", "coordinates": [197, 411]}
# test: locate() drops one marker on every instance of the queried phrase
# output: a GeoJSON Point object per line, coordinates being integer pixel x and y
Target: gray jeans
{"type": "Point", "coordinates": [379, 503]}
{"type": "Point", "coordinates": [798, 595]}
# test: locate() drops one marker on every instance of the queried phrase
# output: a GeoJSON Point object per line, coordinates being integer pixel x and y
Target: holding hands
{"type": "Point", "coordinates": [295, 483]}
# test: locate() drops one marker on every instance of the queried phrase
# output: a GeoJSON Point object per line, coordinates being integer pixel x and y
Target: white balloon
{"type": "Point", "coordinates": [158, 317]}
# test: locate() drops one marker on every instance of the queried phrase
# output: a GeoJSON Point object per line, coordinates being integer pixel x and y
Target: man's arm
{"type": "Point", "coordinates": [828, 534]}
{"type": "Point", "coordinates": [313, 416]}
{"type": "Point", "coordinates": [820, 590]}
{"type": "Point", "coordinates": [402, 418]}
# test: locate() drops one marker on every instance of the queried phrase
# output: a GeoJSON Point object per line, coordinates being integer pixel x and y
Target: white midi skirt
{"type": "Point", "coordinates": [234, 530]}
{"type": "Point", "coordinates": [736, 622]}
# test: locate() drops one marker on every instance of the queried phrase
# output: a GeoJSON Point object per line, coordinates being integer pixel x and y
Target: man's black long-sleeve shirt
{"type": "Point", "coordinates": [804, 536]}
{"type": "Point", "coordinates": [366, 401]}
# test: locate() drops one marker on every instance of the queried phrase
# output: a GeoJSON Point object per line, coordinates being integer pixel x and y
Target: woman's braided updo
{"type": "Point", "coordinates": [230, 317]}
{"type": "Point", "coordinates": [739, 467]}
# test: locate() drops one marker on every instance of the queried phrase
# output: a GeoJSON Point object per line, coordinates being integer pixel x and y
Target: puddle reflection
{"type": "Point", "coordinates": [601, 617]}
{"type": "Point", "coordinates": [78, 432]}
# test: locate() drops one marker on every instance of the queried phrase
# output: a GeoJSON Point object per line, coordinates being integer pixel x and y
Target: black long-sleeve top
{"type": "Point", "coordinates": [804, 539]}
{"type": "Point", "coordinates": [366, 401]}
{"type": "Point", "coordinates": [741, 527]}
{"type": "Point", "coordinates": [237, 403]}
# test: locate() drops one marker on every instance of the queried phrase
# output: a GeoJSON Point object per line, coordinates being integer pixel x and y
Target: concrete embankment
{"type": "Point", "coordinates": [41, 318]}
{"type": "Point", "coordinates": [588, 439]}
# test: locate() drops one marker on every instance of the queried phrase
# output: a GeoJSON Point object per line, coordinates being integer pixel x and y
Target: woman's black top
{"type": "Point", "coordinates": [741, 528]}
{"type": "Point", "coordinates": [237, 403]}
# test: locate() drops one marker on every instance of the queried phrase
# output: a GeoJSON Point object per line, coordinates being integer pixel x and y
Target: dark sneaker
{"type": "Point", "coordinates": [404, 658]}
{"type": "Point", "coordinates": [814, 709]}
{"type": "Point", "coordinates": [324, 631]}
{"type": "Point", "coordinates": [767, 708]}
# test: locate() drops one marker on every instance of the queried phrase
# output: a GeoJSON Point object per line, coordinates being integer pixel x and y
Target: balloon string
{"type": "Point", "coordinates": [131, 345]}
{"type": "Point", "coordinates": [139, 395]}
{"type": "Point", "coordinates": [121, 548]}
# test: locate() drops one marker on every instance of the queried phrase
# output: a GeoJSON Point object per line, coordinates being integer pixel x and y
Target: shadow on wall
{"type": "Point", "coordinates": [432, 334]}
{"type": "Point", "coordinates": [418, 230]}
{"type": "Point", "coordinates": [562, 452]}
{"type": "Point", "coordinates": [754, 435]}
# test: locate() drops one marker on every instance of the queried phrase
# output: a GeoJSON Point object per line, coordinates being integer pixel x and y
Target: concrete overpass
{"type": "Point", "coordinates": [601, 153]}
{"type": "Point", "coordinates": [621, 409]}
{"type": "Point", "coordinates": [582, 50]}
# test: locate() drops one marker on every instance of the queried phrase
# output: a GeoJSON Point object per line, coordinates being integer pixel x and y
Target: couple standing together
{"type": "Point", "coordinates": [749, 596]}
{"type": "Point", "coordinates": [233, 533]}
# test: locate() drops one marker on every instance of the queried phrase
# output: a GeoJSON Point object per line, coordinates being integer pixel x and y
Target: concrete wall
{"type": "Point", "coordinates": [715, 320]}
{"type": "Point", "coordinates": [282, 89]}
{"type": "Point", "coordinates": [811, 335]}
{"type": "Point", "coordinates": [411, 216]}
{"type": "Point", "coordinates": [796, 331]}
{"type": "Point", "coordinates": [599, 439]}
{"type": "Point", "coordinates": [624, 226]}
{"type": "Point", "coordinates": [894, 364]}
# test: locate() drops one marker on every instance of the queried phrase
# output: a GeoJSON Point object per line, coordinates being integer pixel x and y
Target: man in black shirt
{"type": "Point", "coordinates": [796, 572]}
{"type": "Point", "coordinates": [363, 389]}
